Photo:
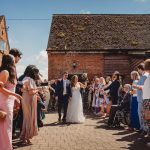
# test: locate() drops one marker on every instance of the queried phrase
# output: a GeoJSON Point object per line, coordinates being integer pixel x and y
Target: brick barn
{"type": "Point", "coordinates": [4, 43]}
{"type": "Point", "coordinates": [97, 44]}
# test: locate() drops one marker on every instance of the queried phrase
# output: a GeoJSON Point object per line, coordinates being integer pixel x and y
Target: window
{"type": "Point", "coordinates": [2, 45]}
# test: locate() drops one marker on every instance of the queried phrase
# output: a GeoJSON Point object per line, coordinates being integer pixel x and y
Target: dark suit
{"type": "Point", "coordinates": [63, 99]}
{"type": "Point", "coordinates": [125, 104]}
{"type": "Point", "coordinates": [114, 89]}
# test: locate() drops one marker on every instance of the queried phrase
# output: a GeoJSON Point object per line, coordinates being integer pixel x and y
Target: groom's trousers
{"type": "Point", "coordinates": [63, 103]}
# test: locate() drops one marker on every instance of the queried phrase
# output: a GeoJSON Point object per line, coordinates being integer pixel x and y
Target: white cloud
{"type": "Point", "coordinates": [20, 69]}
{"type": "Point", "coordinates": [85, 12]}
{"type": "Point", "coordinates": [42, 56]}
{"type": "Point", "coordinates": [41, 61]}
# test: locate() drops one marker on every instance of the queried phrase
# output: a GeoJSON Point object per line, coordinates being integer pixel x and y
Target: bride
{"type": "Point", "coordinates": [75, 106]}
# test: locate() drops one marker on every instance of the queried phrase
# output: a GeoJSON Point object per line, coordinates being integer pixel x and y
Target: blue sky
{"type": "Point", "coordinates": [31, 37]}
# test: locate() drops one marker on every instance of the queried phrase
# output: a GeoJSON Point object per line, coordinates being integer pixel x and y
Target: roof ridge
{"type": "Point", "coordinates": [100, 14]}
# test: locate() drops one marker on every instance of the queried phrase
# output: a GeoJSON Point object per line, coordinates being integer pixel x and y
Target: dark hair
{"type": "Point", "coordinates": [141, 66]}
{"type": "Point", "coordinates": [15, 52]}
{"type": "Point", "coordinates": [117, 75]}
{"type": "Point", "coordinates": [9, 65]}
{"type": "Point", "coordinates": [147, 64]}
{"type": "Point", "coordinates": [65, 72]}
{"type": "Point", "coordinates": [33, 72]}
{"type": "Point", "coordinates": [28, 69]}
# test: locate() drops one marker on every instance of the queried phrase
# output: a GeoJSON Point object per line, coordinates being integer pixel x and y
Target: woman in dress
{"type": "Point", "coordinates": [29, 106]}
{"type": "Point", "coordinates": [107, 96]}
{"type": "Point", "coordinates": [102, 100]}
{"type": "Point", "coordinates": [146, 93]}
{"type": "Point", "coordinates": [95, 88]}
{"type": "Point", "coordinates": [134, 118]}
{"type": "Point", "coordinates": [7, 98]}
{"type": "Point", "coordinates": [75, 106]}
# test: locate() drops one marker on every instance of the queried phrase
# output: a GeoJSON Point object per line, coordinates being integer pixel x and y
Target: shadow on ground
{"type": "Point", "coordinates": [136, 141]}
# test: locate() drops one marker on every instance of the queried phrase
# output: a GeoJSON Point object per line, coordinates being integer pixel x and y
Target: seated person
{"type": "Point", "coordinates": [124, 105]}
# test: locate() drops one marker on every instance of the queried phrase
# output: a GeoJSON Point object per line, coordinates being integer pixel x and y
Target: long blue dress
{"type": "Point", "coordinates": [134, 117]}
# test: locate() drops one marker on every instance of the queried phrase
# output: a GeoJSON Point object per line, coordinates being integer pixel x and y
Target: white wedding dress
{"type": "Point", "coordinates": [75, 106]}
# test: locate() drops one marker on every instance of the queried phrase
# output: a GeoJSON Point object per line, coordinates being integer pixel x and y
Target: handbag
{"type": "Point", "coordinates": [146, 114]}
{"type": "Point", "coordinates": [3, 114]}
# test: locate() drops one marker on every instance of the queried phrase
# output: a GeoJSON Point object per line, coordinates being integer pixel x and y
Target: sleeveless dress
{"type": "Point", "coordinates": [75, 106]}
{"type": "Point", "coordinates": [7, 104]}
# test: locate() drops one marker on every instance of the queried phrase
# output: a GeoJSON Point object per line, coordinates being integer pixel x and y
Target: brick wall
{"type": "Point", "coordinates": [3, 36]}
{"type": "Point", "coordinates": [90, 63]}
{"type": "Point", "coordinates": [93, 64]}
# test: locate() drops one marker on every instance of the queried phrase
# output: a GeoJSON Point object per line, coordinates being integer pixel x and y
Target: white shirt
{"type": "Point", "coordinates": [146, 88]}
{"type": "Point", "coordinates": [64, 84]}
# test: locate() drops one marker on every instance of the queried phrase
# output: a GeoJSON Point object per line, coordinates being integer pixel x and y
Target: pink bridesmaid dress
{"type": "Point", "coordinates": [29, 107]}
{"type": "Point", "coordinates": [7, 104]}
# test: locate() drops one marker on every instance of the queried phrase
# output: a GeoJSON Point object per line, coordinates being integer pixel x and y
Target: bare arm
{"type": "Point", "coordinates": [4, 75]}
{"type": "Point", "coordinates": [138, 87]}
{"type": "Point", "coordinates": [83, 85]}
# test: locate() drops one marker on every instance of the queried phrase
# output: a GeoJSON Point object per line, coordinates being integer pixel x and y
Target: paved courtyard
{"type": "Point", "coordinates": [92, 135]}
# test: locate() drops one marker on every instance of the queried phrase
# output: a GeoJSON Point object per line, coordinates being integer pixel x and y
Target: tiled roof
{"type": "Point", "coordinates": [99, 32]}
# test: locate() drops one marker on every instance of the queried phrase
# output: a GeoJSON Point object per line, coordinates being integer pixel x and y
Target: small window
{"type": "Point", "coordinates": [2, 45]}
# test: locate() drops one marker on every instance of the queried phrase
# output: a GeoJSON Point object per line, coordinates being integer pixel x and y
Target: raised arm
{"type": "Point", "coordinates": [83, 85]}
{"type": "Point", "coordinates": [4, 75]}
{"type": "Point", "coordinates": [108, 87]}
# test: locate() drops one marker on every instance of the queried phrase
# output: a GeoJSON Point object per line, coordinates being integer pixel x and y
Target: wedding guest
{"type": "Point", "coordinates": [102, 101]}
{"type": "Point", "coordinates": [107, 95]}
{"type": "Point", "coordinates": [29, 106]}
{"type": "Point", "coordinates": [52, 100]}
{"type": "Point", "coordinates": [17, 119]}
{"type": "Point", "coordinates": [7, 98]}
{"type": "Point", "coordinates": [40, 107]}
{"type": "Point", "coordinates": [16, 53]}
{"type": "Point", "coordinates": [125, 104]}
{"type": "Point", "coordinates": [17, 122]}
{"type": "Point", "coordinates": [134, 118]}
{"type": "Point", "coordinates": [143, 77]}
{"type": "Point", "coordinates": [146, 92]}
{"type": "Point", "coordinates": [84, 92]}
{"type": "Point", "coordinates": [114, 88]}
{"type": "Point", "coordinates": [95, 88]}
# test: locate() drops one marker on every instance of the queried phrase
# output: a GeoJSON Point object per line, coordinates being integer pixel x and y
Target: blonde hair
{"type": "Point", "coordinates": [128, 86]}
{"type": "Point", "coordinates": [103, 80]}
{"type": "Point", "coordinates": [135, 75]}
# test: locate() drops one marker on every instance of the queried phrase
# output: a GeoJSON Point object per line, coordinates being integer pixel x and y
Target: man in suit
{"type": "Point", "coordinates": [125, 104]}
{"type": "Point", "coordinates": [63, 94]}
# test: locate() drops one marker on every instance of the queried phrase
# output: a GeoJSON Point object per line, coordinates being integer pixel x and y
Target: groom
{"type": "Point", "coordinates": [63, 94]}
